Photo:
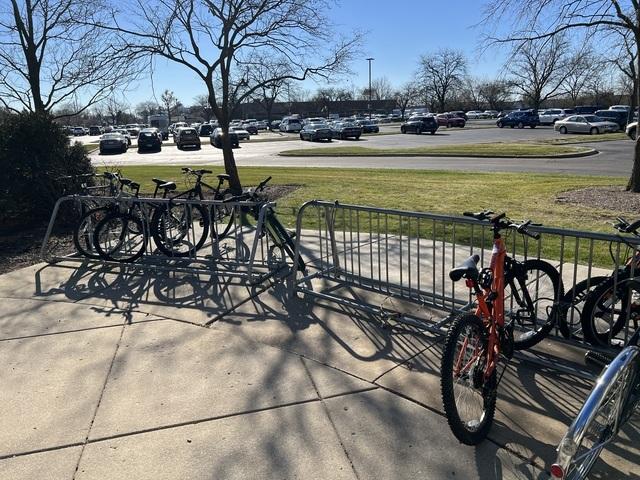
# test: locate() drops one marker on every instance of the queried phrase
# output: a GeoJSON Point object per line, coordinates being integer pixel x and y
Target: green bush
{"type": "Point", "coordinates": [34, 154]}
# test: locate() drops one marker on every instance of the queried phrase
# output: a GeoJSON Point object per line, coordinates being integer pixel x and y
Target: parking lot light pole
{"type": "Point", "coordinates": [369, 104]}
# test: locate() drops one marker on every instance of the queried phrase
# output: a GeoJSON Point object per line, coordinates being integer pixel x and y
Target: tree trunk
{"type": "Point", "coordinates": [634, 181]}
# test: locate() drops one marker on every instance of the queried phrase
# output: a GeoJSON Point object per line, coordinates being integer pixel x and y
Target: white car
{"type": "Point", "coordinates": [624, 108]}
{"type": "Point", "coordinates": [476, 114]}
{"type": "Point", "coordinates": [290, 125]}
{"type": "Point", "coordinates": [585, 124]}
{"type": "Point", "coordinates": [552, 115]}
{"type": "Point", "coordinates": [631, 130]}
{"type": "Point", "coordinates": [241, 132]}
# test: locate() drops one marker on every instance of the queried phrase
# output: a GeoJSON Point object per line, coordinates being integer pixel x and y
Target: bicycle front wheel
{"type": "Point", "coordinates": [572, 305]}
{"type": "Point", "coordinates": [120, 237]}
{"type": "Point", "coordinates": [608, 308]}
{"type": "Point", "coordinates": [469, 399]}
{"type": "Point", "coordinates": [600, 417]}
{"type": "Point", "coordinates": [84, 231]}
{"type": "Point", "coordinates": [531, 297]}
{"type": "Point", "coordinates": [179, 230]}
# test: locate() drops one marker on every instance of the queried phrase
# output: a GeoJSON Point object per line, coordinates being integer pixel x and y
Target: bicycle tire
{"type": "Point", "coordinates": [605, 409]}
{"type": "Point", "coordinates": [286, 241]}
{"type": "Point", "coordinates": [224, 216]}
{"type": "Point", "coordinates": [172, 242]}
{"type": "Point", "coordinates": [595, 307]}
{"type": "Point", "coordinates": [530, 306]}
{"type": "Point", "coordinates": [471, 382]}
{"type": "Point", "coordinates": [114, 240]}
{"type": "Point", "coordinates": [572, 305]}
{"type": "Point", "coordinates": [84, 232]}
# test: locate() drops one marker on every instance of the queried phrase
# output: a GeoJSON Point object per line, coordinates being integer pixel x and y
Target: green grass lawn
{"type": "Point", "coordinates": [568, 139]}
{"type": "Point", "coordinates": [510, 150]}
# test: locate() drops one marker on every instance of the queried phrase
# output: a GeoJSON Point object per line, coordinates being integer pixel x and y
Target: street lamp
{"type": "Point", "coordinates": [369, 104]}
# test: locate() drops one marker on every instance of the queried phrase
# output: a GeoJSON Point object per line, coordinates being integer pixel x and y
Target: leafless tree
{"type": "Point", "coordinates": [538, 19]}
{"type": "Point", "coordinates": [146, 108]}
{"type": "Point", "coordinates": [169, 102]}
{"type": "Point", "coordinates": [441, 73]}
{"type": "Point", "coordinates": [626, 61]}
{"type": "Point", "coordinates": [538, 70]}
{"type": "Point", "coordinates": [201, 103]}
{"type": "Point", "coordinates": [223, 41]}
{"type": "Point", "coordinates": [115, 109]}
{"type": "Point", "coordinates": [582, 67]}
{"type": "Point", "coordinates": [49, 56]}
{"type": "Point", "coordinates": [405, 96]}
{"type": "Point", "coordinates": [381, 89]}
{"type": "Point", "coordinates": [495, 93]}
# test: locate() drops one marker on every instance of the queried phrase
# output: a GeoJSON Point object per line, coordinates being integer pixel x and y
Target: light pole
{"type": "Point", "coordinates": [369, 104]}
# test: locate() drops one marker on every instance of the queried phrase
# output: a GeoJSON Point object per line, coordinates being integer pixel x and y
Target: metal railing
{"type": "Point", "coordinates": [242, 252]}
{"type": "Point", "coordinates": [402, 260]}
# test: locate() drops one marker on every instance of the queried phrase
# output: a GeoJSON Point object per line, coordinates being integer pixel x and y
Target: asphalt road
{"type": "Point", "coordinates": [614, 159]}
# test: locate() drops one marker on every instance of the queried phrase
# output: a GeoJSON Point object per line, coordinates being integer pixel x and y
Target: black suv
{"type": "Point", "coordinates": [520, 119]}
{"type": "Point", "coordinates": [618, 116]}
{"type": "Point", "coordinates": [420, 124]}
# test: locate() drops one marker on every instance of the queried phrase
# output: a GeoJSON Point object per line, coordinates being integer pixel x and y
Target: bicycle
{"type": "Point", "coordinates": [280, 239]}
{"type": "Point", "coordinates": [605, 309]}
{"type": "Point", "coordinates": [509, 295]}
{"type": "Point", "coordinates": [611, 403]}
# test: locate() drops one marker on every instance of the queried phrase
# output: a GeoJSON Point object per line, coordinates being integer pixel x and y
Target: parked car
{"type": "Point", "coordinates": [95, 130]}
{"type": "Point", "coordinates": [275, 124]}
{"type": "Point", "coordinates": [450, 120]}
{"type": "Point", "coordinates": [420, 124]}
{"type": "Point", "coordinates": [491, 113]}
{"type": "Point", "coordinates": [216, 138]}
{"type": "Point", "coordinates": [78, 131]}
{"type": "Point", "coordinates": [261, 125]}
{"type": "Point", "coordinates": [113, 142]}
{"type": "Point", "coordinates": [504, 113]}
{"type": "Point", "coordinates": [585, 124]}
{"type": "Point", "coordinates": [632, 130]}
{"type": "Point", "coordinates": [316, 131]}
{"type": "Point", "coordinates": [250, 127]}
{"type": "Point", "coordinates": [587, 109]}
{"type": "Point", "coordinates": [624, 108]}
{"type": "Point", "coordinates": [148, 139]}
{"type": "Point", "coordinates": [476, 114]}
{"type": "Point", "coordinates": [552, 115]}
{"type": "Point", "coordinates": [242, 133]}
{"type": "Point", "coordinates": [124, 133]}
{"type": "Point", "coordinates": [133, 130]}
{"type": "Point", "coordinates": [186, 137]}
{"type": "Point", "coordinates": [290, 125]}
{"type": "Point", "coordinates": [618, 116]}
{"type": "Point", "coordinates": [344, 130]}
{"type": "Point", "coordinates": [368, 126]}
{"type": "Point", "coordinates": [459, 113]}
{"type": "Point", "coordinates": [520, 119]}
{"type": "Point", "coordinates": [205, 130]}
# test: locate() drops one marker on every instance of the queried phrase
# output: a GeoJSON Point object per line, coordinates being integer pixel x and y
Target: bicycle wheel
{"type": "Point", "coordinates": [284, 240]}
{"type": "Point", "coordinates": [572, 305]}
{"type": "Point", "coordinates": [116, 239]}
{"type": "Point", "coordinates": [179, 230]}
{"type": "Point", "coordinates": [468, 397]}
{"type": "Point", "coordinates": [605, 312]}
{"type": "Point", "coordinates": [530, 299]}
{"type": "Point", "coordinates": [84, 231]}
{"type": "Point", "coordinates": [222, 218]}
{"type": "Point", "coordinates": [606, 408]}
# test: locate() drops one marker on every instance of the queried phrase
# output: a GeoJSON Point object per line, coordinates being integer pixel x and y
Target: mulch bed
{"type": "Point", "coordinates": [20, 247]}
{"type": "Point", "coordinates": [609, 198]}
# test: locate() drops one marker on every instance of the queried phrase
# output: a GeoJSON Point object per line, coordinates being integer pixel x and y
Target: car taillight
{"type": "Point", "coordinates": [556, 471]}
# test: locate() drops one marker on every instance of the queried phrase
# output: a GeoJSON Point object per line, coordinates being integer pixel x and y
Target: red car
{"type": "Point", "coordinates": [450, 120]}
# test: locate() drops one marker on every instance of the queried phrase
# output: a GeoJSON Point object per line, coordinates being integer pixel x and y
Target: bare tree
{"type": "Point", "coordinates": [538, 19]}
{"type": "Point", "coordinates": [169, 102]}
{"type": "Point", "coordinates": [49, 56]}
{"type": "Point", "coordinates": [201, 102]}
{"type": "Point", "coordinates": [146, 108]}
{"type": "Point", "coordinates": [626, 62]}
{"type": "Point", "coordinates": [223, 41]}
{"type": "Point", "coordinates": [406, 96]}
{"type": "Point", "coordinates": [441, 73]}
{"type": "Point", "coordinates": [538, 70]}
{"type": "Point", "coordinates": [381, 89]}
{"type": "Point", "coordinates": [582, 67]}
{"type": "Point", "coordinates": [115, 109]}
{"type": "Point", "coordinates": [495, 93]}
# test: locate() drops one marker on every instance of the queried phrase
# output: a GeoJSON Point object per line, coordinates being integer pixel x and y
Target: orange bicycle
{"type": "Point", "coordinates": [516, 308]}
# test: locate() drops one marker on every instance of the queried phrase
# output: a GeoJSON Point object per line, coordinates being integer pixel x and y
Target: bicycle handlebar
{"type": "Point", "coordinates": [625, 227]}
{"type": "Point", "coordinates": [499, 221]}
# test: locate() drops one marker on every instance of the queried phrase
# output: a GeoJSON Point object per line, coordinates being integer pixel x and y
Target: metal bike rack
{"type": "Point", "coordinates": [396, 255]}
{"type": "Point", "coordinates": [241, 253]}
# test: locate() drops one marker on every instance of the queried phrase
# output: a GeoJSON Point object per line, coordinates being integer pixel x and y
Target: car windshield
{"type": "Point", "coordinates": [366, 122]}
{"type": "Point", "coordinates": [111, 136]}
{"type": "Point", "coordinates": [318, 125]}
{"type": "Point", "coordinates": [592, 118]}
{"type": "Point", "coordinates": [191, 131]}
{"type": "Point", "coordinates": [147, 134]}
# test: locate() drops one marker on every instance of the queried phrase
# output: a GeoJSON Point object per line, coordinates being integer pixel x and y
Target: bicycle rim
{"type": "Point", "coordinates": [468, 397]}
{"type": "Point", "coordinates": [84, 232]}
{"type": "Point", "coordinates": [115, 238]}
{"type": "Point", "coordinates": [180, 230]}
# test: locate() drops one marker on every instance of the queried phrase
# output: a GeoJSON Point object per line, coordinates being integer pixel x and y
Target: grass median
{"type": "Point", "coordinates": [493, 150]}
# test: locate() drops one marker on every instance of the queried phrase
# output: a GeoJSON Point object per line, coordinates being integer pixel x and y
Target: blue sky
{"type": "Point", "coordinates": [399, 31]}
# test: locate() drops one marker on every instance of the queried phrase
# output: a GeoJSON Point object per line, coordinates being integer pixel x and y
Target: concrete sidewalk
{"type": "Point", "coordinates": [113, 374]}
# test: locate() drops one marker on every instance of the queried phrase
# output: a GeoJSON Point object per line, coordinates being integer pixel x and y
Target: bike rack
{"type": "Point", "coordinates": [406, 256]}
{"type": "Point", "coordinates": [231, 256]}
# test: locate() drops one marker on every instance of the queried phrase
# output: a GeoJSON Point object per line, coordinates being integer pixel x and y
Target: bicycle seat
{"type": "Point", "coordinates": [468, 269]}
{"type": "Point", "coordinates": [158, 182]}
{"type": "Point", "coordinates": [169, 186]}
{"type": "Point", "coordinates": [223, 176]}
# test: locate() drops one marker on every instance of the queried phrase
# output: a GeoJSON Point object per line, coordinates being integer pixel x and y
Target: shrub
{"type": "Point", "coordinates": [34, 154]}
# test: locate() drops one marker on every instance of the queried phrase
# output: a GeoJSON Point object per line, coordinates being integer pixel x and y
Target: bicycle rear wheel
{"type": "Point", "coordinates": [222, 219]}
{"type": "Point", "coordinates": [284, 240]}
{"type": "Point", "coordinates": [531, 297]}
{"type": "Point", "coordinates": [179, 230]}
{"type": "Point", "coordinates": [117, 239]}
{"type": "Point", "coordinates": [84, 231]}
{"type": "Point", "coordinates": [572, 305]}
{"type": "Point", "coordinates": [469, 399]}
{"type": "Point", "coordinates": [600, 417]}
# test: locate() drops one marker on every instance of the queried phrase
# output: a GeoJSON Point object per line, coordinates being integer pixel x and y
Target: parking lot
{"type": "Point", "coordinates": [262, 150]}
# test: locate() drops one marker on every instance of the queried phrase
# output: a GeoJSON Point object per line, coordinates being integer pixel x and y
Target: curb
{"type": "Point", "coordinates": [586, 153]}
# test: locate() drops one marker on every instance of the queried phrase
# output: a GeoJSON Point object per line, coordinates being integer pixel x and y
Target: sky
{"type": "Point", "coordinates": [397, 33]}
